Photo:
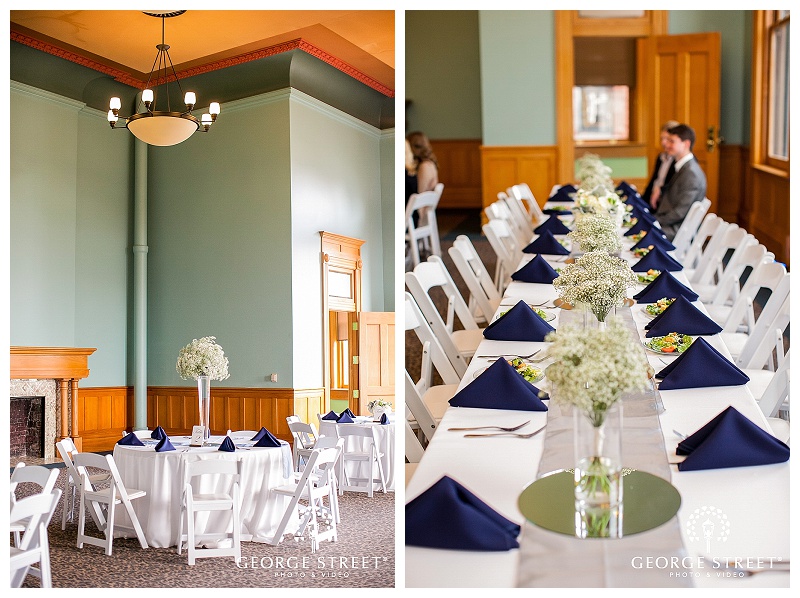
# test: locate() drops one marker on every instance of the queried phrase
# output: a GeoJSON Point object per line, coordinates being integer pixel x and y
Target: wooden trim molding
{"type": "Point", "coordinates": [505, 166]}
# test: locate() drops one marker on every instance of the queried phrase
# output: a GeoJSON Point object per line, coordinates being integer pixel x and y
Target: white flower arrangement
{"type": "Point", "coordinates": [594, 367]}
{"type": "Point", "coordinates": [591, 164]}
{"type": "Point", "coordinates": [203, 357]}
{"type": "Point", "coordinates": [596, 279]}
{"type": "Point", "coordinates": [596, 233]}
{"type": "Point", "coordinates": [379, 404]}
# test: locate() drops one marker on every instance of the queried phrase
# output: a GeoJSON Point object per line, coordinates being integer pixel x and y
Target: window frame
{"type": "Point", "coordinates": [765, 23]}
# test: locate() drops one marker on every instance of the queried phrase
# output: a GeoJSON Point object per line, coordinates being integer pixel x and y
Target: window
{"type": "Point", "coordinates": [778, 136]}
{"type": "Point", "coordinates": [600, 112]}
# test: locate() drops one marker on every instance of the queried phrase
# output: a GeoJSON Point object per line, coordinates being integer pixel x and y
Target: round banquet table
{"type": "Point", "coordinates": [160, 474]}
{"type": "Point", "coordinates": [384, 437]}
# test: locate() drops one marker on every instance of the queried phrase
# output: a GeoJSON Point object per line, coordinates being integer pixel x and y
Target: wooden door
{"type": "Point", "coordinates": [376, 360]}
{"type": "Point", "coordinates": [686, 87]}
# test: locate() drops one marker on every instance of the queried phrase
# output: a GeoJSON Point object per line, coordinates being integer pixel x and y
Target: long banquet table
{"type": "Point", "coordinates": [752, 503]}
{"type": "Point", "coordinates": [160, 474]}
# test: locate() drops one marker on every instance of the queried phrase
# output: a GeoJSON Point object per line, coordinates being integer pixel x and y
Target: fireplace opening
{"type": "Point", "coordinates": [27, 427]}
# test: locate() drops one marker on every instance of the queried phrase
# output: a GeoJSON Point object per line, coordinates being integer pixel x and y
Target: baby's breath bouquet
{"type": "Point", "coordinates": [594, 367]}
{"type": "Point", "coordinates": [596, 279]}
{"type": "Point", "coordinates": [203, 357]}
{"type": "Point", "coordinates": [596, 233]}
{"type": "Point", "coordinates": [590, 165]}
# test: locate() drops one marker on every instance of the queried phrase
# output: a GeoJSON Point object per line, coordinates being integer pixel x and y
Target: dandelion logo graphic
{"type": "Point", "coordinates": [707, 524]}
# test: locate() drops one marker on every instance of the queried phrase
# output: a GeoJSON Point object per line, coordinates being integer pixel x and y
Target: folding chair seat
{"type": "Point", "coordinates": [459, 345]}
{"type": "Point", "coordinates": [304, 436]}
{"type": "Point", "coordinates": [426, 230]}
{"type": "Point", "coordinates": [307, 499]}
{"type": "Point", "coordinates": [688, 228]}
{"type": "Point", "coordinates": [205, 484]}
{"type": "Point", "coordinates": [66, 448]}
{"type": "Point", "coordinates": [33, 514]}
{"type": "Point", "coordinates": [363, 450]}
{"type": "Point", "coordinates": [484, 297]}
{"type": "Point", "coordinates": [106, 500]}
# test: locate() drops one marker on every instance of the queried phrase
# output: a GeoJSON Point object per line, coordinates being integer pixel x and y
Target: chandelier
{"type": "Point", "coordinates": [158, 123]}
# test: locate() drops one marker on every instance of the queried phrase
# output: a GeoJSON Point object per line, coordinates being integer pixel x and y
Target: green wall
{"type": "Point", "coordinates": [443, 73]}
{"type": "Point", "coordinates": [69, 230]}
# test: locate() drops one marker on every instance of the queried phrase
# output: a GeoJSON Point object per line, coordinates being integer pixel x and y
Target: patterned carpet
{"type": "Point", "coordinates": [363, 556]}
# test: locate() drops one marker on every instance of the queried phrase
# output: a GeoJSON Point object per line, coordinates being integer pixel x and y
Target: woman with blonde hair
{"type": "Point", "coordinates": [424, 164]}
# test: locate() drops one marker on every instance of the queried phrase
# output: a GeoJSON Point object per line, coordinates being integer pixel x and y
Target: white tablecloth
{"type": "Point", "coordinates": [753, 500]}
{"type": "Point", "coordinates": [161, 476]}
{"type": "Point", "coordinates": [384, 436]}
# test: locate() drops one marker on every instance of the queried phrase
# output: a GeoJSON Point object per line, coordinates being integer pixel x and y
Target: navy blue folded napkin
{"type": "Point", "coordinates": [520, 323]}
{"type": "Point", "coordinates": [344, 417]}
{"type": "Point", "coordinates": [500, 387]}
{"type": "Point", "coordinates": [537, 270]}
{"type": "Point", "coordinates": [552, 224]}
{"type": "Point", "coordinates": [384, 419]}
{"type": "Point", "coordinates": [330, 416]}
{"type": "Point", "coordinates": [656, 238]}
{"type": "Point", "coordinates": [730, 440]}
{"type": "Point", "coordinates": [563, 194]}
{"type": "Point", "coordinates": [640, 226]}
{"type": "Point", "coordinates": [642, 214]}
{"type": "Point", "coordinates": [164, 445]}
{"type": "Point", "coordinates": [267, 439]}
{"type": "Point", "coordinates": [227, 445]}
{"type": "Point", "coordinates": [682, 316]}
{"type": "Point", "coordinates": [700, 366]}
{"type": "Point", "coordinates": [657, 259]}
{"type": "Point", "coordinates": [626, 189]}
{"type": "Point", "coordinates": [260, 434]}
{"type": "Point", "coordinates": [552, 212]}
{"type": "Point", "coordinates": [130, 440]}
{"type": "Point", "coordinates": [449, 516]}
{"type": "Point", "coordinates": [158, 433]}
{"type": "Point", "coordinates": [665, 285]}
{"type": "Point", "coordinates": [546, 243]}
{"type": "Point", "coordinates": [639, 204]}
{"type": "Point", "coordinates": [348, 412]}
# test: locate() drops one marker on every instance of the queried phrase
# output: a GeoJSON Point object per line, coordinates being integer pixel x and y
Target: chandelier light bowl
{"type": "Point", "coordinates": [157, 126]}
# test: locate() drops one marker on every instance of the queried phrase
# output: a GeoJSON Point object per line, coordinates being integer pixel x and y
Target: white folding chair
{"type": "Point", "coordinates": [33, 513]}
{"type": "Point", "coordinates": [499, 210]}
{"type": "Point", "coordinates": [735, 276]}
{"type": "Point", "coordinates": [362, 449]}
{"type": "Point", "coordinates": [459, 345]}
{"type": "Point", "coordinates": [315, 484]}
{"type": "Point", "coordinates": [522, 192]}
{"type": "Point", "coordinates": [708, 227]}
{"type": "Point", "coordinates": [139, 433]}
{"type": "Point", "coordinates": [726, 253]}
{"type": "Point", "coordinates": [304, 436]}
{"type": "Point", "coordinates": [414, 452]}
{"type": "Point", "coordinates": [742, 332]}
{"type": "Point", "coordinates": [426, 229]}
{"type": "Point", "coordinates": [775, 401]}
{"type": "Point", "coordinates": [105, 499]}
{"type": "Point", "coordinates": [484, 297]}
{"type": "Point", "coordinates": [688, 228]}
{"type": "Point", "coordinates": [508, 252]}
{"type": "Point", "coordinates": [66, 448]}
{"type": "Point", "coordinates": [711, 253]}
{"type": "Point", "coordinates": [324, 442]}
{"type": "Point", "coordinates": [202, 481]}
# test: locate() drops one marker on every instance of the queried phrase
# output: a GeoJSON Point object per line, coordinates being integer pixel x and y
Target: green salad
{"type": "Point", "coordinates": [530, 374]}
{"type": "Point", "coordinates": [659, 306]}
{"type": "Point", "coordinates": [541, 313]}
{"type": "Point", "coordinates": [648, 276]}
{"type": "Point", "coordinates": [673, 342]}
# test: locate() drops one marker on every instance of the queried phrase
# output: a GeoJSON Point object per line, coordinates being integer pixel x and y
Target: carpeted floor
{"type": "Point", "coordinates": [363, 556]}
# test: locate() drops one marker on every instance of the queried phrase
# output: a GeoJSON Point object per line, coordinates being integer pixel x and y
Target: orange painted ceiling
{"type": "Point", "coordinates": [126, 40]}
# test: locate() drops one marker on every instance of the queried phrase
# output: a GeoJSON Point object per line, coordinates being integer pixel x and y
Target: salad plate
{"type": "Point", "coordinates": [648, 276]}
{"type": "Point", "coordinates": [654, 309]}
{"type": "Point", "coordinates": [673, 343]}
{"type": "Point", "coordinates": [530, 373]}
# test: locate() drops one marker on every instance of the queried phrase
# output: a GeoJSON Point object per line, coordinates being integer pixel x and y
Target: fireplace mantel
{"type": "Point", "coordinates": [65, 365]}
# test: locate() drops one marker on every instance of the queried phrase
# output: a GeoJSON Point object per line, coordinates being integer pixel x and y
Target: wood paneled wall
{"type": "Point", "coordinates": [505, 166]}
{"type": "Point", "coordinates": [103, 413]}
{"type": "Point", "coordinates": [769, 220]}
{"type": "Point", "coordinates": [733, 177]}
{"type": "Point", "coordinates": [459, 171]}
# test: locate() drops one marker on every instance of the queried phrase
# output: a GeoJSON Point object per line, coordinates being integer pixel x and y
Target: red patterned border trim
{"type": "Point", "coordinates": [129, 79]}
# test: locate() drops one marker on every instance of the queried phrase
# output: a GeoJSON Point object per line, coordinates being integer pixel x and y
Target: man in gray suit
{"type": "Point", "coordinates": [685, 187]}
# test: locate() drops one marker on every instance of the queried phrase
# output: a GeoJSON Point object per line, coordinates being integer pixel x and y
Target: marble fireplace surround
{"type": "Point", "coordinates": [53, 373]}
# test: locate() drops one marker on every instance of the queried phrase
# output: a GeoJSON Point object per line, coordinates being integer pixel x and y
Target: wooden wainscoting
{"type": "Point", "coordinates": [103, 413]}
{"type": "Point", "coordinates": [733, 170]}
{"type": "Point", "coordinates": [459, 171]}
{"type": "Point", "coordinates": [769, 221]}
{"type": "Point", "coordinates": [505, 166]}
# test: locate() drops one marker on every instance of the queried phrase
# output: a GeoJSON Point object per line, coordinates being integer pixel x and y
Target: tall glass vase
{"type": "Point", "coordinates": [204, 396]}
{"type": "Point", "coordinates": [598, 457]}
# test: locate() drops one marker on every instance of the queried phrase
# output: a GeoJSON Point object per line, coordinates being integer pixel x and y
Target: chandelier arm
{"type": "Point", "coordinates": [178, 81]}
